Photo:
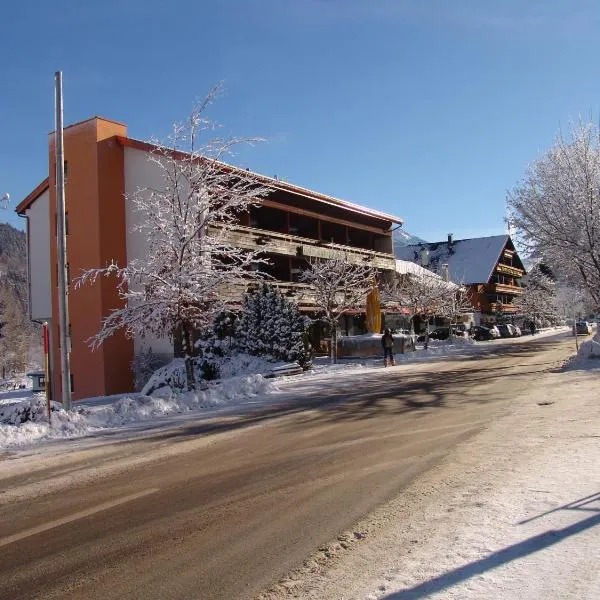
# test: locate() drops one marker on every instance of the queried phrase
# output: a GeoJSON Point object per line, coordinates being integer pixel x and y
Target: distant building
{"type": "Point", "coordinates": [489, 266]}
{"type": "Point", "coordinates": [104, 167]}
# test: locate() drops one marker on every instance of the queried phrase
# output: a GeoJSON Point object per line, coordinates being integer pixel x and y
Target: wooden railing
{"type": "Point", "coordinates": [504, 288]}
{"type": "Point", "coordinates": [292, 245]}
{"type": "Point", "coordinates": [498, 307]}
{"type": "Point", "coordinates": [508, 270]}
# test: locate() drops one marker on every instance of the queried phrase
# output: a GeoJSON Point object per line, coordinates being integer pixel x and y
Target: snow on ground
{"type": "Point", "coordinates": [243, 385]}
{"type": "Point", "coordinates": [513, 513]}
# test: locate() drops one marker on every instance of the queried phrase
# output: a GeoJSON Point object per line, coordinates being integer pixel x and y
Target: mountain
{"type": "Point", "coordinates": [16, 330]}
{"type": "Point", "coordinates": [403, 238]}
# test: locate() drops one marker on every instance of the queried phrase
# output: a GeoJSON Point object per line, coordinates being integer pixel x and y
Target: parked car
{"type": "Point", "coordinates": [480, 333]}
{"type": "Point", "coordinates": [441, 333]}
{"type": "Point", "coordinates": [583, 328]}
{"type": "Point", "coordinates": [494, 331]}
{"type": "Point", "coordinates": [507, 330]}
{"type": "Point", "coordinates": [518, 332]}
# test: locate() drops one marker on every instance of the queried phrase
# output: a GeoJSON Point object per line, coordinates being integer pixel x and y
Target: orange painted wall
{"type": "Point", "coordinates": [96, 235]}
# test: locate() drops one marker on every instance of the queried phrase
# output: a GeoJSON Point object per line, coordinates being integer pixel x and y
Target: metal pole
{"type": "Point", "coordinates": [63, 303]}
{"type": "Point", "coordinates": [47, 369]}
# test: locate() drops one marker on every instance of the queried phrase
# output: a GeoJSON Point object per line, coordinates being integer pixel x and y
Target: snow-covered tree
{"type": "Point", "coordinates": [338, 287]}
{"type": "Point", "coordinates": [572, 301]}
{"type": "Point", "coordinates": [190, 271]}
{"type": "Point", "coordinates": [271, 324]}
{"type": "Point", "coordinates": [421, 294]}
{"type": "Point", "coordinates": [455, 302]}
{"type": "Point", "coordinates": [538, 300]}
{"type": "Point", "coordinates": [556, 208]}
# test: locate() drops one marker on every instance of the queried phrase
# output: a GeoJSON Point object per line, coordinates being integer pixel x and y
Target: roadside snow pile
{"type": "Point", "coordinates": [26, 421]}
{"type": "Point", "coordinates": [590, 348]}
{"type": "Point", "coordinates": [171, 378]}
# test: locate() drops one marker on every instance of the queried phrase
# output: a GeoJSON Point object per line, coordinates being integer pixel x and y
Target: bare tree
{"type": "Point", "coordinates": [538, 299]}
{"type": "Point", "coordinates": [417, 294]}
{"type": "Point", "coordinates": [455, 302]}
{"type": "Point", "coordinates": [190, 271]}
{"type": "Point", "coordinates": [556, 207]}
{"type": "Point", "coordinates": [339, 287]}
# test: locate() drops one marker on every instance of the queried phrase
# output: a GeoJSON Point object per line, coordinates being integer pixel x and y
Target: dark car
{"type": "Point", "coordinates": [507, 330]}
{"type": "Point", "coordinates": [481, 334]}
{"type": "Point", "coordinates": [441, 333]}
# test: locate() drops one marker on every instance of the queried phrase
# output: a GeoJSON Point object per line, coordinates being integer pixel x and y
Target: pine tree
{"type": "Point", "coordinates": [271, 325]}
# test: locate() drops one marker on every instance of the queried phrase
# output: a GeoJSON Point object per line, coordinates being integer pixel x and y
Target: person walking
{"type": "Point", "coordinates": [387, 341]}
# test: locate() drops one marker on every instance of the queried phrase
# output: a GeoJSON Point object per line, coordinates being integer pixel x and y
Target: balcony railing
{"type": "Point", "coordinates": [508, 270]}
{"type": "Point", "coordinates": [292, 245]}
{"type": "Point", "coordinates": [498, 307]}
{"type": "Point", "coordinates": [503, 288]}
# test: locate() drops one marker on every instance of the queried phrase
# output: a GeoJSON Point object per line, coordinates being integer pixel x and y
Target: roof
{"type": "Point", "coordinates": [278, 184]}
{"type": "Point", "coordinates": [406, 267]}
{"type": "Point", "coordinates": [32, 197]}
{"type": "Point", "coordinates": [469, 261]}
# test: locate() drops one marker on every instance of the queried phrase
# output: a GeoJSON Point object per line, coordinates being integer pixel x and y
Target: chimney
{"type": "Point", "coordinates": [445, 271]}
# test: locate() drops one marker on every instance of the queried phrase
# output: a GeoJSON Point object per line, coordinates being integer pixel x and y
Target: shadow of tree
{"type": "Point", "coordinates": [494, 560]}
{"type": "Point", "coordinates": [375, 393]}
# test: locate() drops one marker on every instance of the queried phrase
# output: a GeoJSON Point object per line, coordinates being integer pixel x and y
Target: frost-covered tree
{"type": "Point", "coordinates": [338, 287]}
{"type": "Point", "coordinates": [538, 300]}
{"type": "Point", "coordinates": [455, 302]}
{"type": "Point", "coordinates": [421, 294]}
{"type": "Point", "coordinates": [556, 208]}
{"type": "Point", "coordinates": [271, 324]}
{"type": "Point", "coordinates": [190, 271]}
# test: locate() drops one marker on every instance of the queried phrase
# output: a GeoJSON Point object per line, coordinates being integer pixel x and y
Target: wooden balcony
{"type": "Point", "coordinates": [508, 270]}
{"type": "Point", "coordinates": [505, 308]}
{"type": "Point", "coordinates": [292, 245]}
{"type": "Point", "coordinates": [502, 288]}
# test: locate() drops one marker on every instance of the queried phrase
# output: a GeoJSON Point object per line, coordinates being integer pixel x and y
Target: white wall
{"type": "Point", "coordinates": [141, 173]}
{"type": "Point", "coordinates": [38, 249]}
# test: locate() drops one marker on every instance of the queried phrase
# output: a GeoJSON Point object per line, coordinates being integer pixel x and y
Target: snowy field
{"type": "Point", "coordinates": [24, 421]}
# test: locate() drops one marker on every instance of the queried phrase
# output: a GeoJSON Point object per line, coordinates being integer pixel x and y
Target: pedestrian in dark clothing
{"type": "Point", "coordinates": [532, 327]}
{"type": "Point", "coordinates": [387, 341]}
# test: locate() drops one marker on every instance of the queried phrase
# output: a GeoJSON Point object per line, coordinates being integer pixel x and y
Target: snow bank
{"type": "Point", "coordinates": [25, 421]}
{"type": "Point", "coordinates": [590, 348]}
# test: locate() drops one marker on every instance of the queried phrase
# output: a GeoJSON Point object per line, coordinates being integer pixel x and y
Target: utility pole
{"type": "Point", "coordinates": [63, 300]}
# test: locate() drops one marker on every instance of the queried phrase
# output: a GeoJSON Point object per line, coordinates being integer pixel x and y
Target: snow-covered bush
{"type": "Point", "coordinates": [271, 325]}
{"type": "Point", "coordinates": [143, 365]}
{"type": "Point", "coordinates": [23, 412]}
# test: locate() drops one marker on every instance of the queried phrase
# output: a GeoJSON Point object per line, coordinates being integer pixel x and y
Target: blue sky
{"type": "Point", "coordinates": [427, 109]}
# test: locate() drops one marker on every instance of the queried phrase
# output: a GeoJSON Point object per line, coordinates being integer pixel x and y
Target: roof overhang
{"type": "Point", "coordinates": [272, 183]}
{"type": "Point", "coordinates": [32, 197]}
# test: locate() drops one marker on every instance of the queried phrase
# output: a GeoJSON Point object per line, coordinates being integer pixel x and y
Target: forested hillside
{"type": "Point", "coordinates": [17, 333]}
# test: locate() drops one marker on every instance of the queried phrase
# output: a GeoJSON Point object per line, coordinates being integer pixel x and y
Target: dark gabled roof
{"type": "Point", "coordinates": [469, 261]}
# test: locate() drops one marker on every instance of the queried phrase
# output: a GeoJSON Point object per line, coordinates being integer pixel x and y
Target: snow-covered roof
{"type": "Point", "coordinates": [469, 261]}
{"type": "Point", "coordinates": [406, 267]}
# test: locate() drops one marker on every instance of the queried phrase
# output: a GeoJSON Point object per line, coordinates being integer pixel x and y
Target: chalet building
{"type": "Point", "coordinates": [103, 167]}
{"type": "Point", "coordinates": [489, 266]}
